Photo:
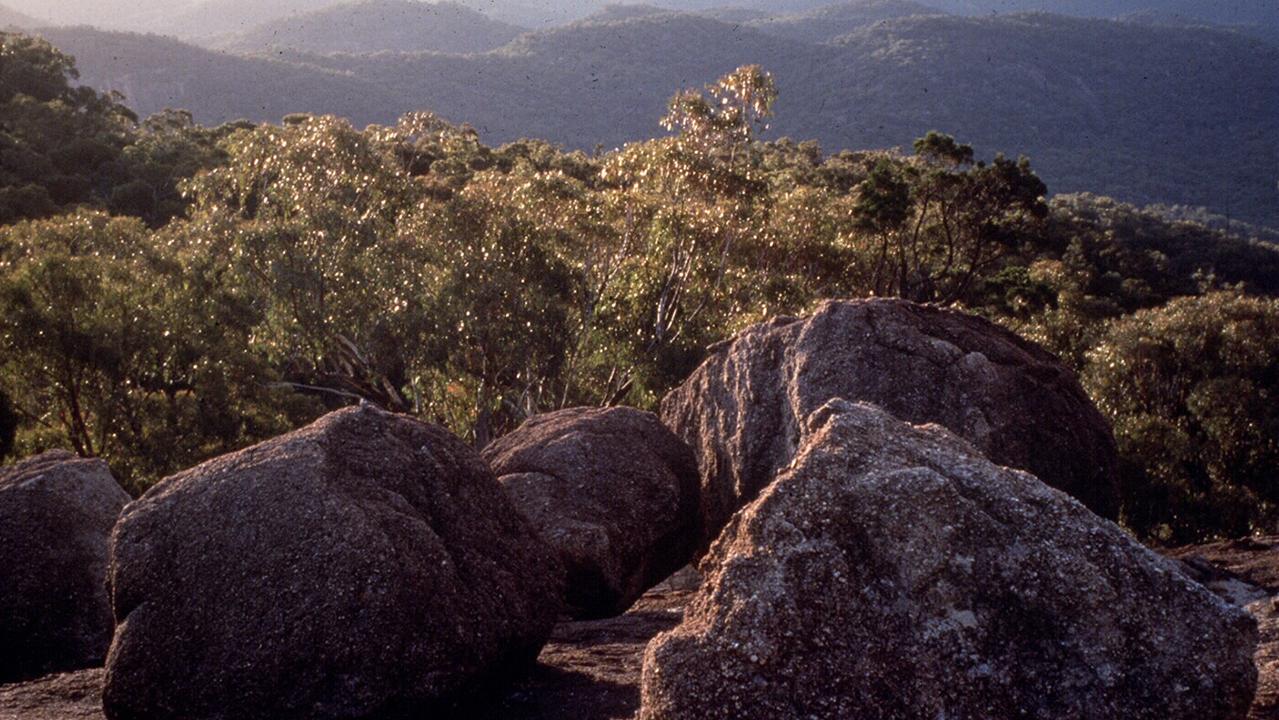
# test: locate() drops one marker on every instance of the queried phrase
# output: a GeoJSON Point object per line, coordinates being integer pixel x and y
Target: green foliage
{"type": "Point", "coordinates": [66, 145]}
{"type": "Point", "coordinates": [1099, 260]}
{"type": "Point", "coordinates": [168, 149]}
{"type": "Point", "coordinates": [736, 108]}
{"type": "Point", "coordinates": [116, 348]}
{"type": "Point", "coordinates": [8, 426]}
{"type": "Point", "coordinates": [61, 143]}
{"type": "Point", "coordinates": [304, 216]}
{"type": "Point", "coordinates": [942, 223]}
{"type": "Point", "coordinates": [1193, 391]}
{"type": "Point", "coordinates": [253, 276]}
{"type": "Point", "coordinates": [499, 303]}
{"type": "Point", "coordinates": [941, 149]}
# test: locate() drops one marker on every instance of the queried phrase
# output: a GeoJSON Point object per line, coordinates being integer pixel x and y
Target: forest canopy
{"type": "Point", "coordinates": [169, 292]}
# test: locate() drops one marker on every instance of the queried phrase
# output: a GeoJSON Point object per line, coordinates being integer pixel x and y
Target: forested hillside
{"type": "Point", "coordinates": [171, 291]}
{"type": "Point", "coordinates": [1143, 113]}
{"type": "Point", "coordinates": [1254, 16]}
{"type": "Point", "coordinates": [378, 25]}
{"type": "Point", "coordinates": [155, 72]}
{"type": "Point", "coordinates": [207, 20]}
{"type": "Point", "coordinates": [828, 23]}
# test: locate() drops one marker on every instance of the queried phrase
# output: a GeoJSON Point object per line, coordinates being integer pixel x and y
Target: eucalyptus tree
{"type": "Point", "coordinates": [304, 215]}
{"type": "Point", "coordinates": [114, 346]}
{"type": "Point", "coordinates": [943, 222]}
{"type": "Point", "coordinates": [687, 206]}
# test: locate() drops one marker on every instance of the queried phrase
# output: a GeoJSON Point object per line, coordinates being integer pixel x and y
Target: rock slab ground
{"type": "Point", "coordinates": [893, 571]}
{"type": "Point", "coordinates": [612, 490]}
{"type": "Point", "coordinates": [366, 565]}
{"type": "Point", "coordinates": [1247, 573]}
{"type": "Point", "coordinates": [56, 512]}
{"type": "Point", "coordinates": [742, 409]}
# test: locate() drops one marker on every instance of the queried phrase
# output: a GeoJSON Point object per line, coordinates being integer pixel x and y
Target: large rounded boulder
{"type": "Point", "coordinates": [368, 565]}
{"type": "Point", "coordinates": [741, 409]}
{"type": "Point", "coordinates": [56, 512]}
{"type": "Point", "coordinates": [894, 572]}
{"type": "Point", "coordinates": [613, 491]}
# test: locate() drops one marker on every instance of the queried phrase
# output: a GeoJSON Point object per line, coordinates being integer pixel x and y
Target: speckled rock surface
{"type": "Point", "coordinates": [66, 696]}
{"type": "Point", "coordinates": [56, 511]}
{"type": "Point", "coordinates": [1265, 706]}
{"type": "Point", "coordinates": [365, 565]}
{"type": "Point", "coordinates": [612, 490]}
{"type": "Point", "coordinates": [894, 572]}
{"type": "Point", "coordinates": [589, 670]}
{"type": "Point", "coordinates": [1011, 399]}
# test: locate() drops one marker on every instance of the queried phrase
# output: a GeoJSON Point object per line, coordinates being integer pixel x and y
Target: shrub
{"type": "Point", "coordinates": [1193, 390]}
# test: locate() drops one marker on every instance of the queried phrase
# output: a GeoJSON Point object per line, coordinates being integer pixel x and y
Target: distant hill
{"type": "Point", "coordinates": [1263, 31]}
{"type": "Point", "coordinates": [10, 18]}
{"type": "Point", "coordinates": [74, 11]}
{"type": "Point", "coordinates": [736, 14]}
{"type": "Point", "coordinates": [207, 19]}
{"type": "Point", "coordinates": [1154, 17]}
{"type": "Point", "coordinates": [827, 23]}
{"type": "Point", "coordinates": [619, 11]}
{"type": "Point", "coordinates": [157, 72]}
{"type": "Point", "coordinates": [1223, 12]}
{"type": "Point", "coordinates": [770, 7]}
{"type": "Point", "coordinates": [1144, 113]}
{"type": "Point", "coordinates": [379, 25]}
{"type": "Point", "coordinates": [1257, 17]}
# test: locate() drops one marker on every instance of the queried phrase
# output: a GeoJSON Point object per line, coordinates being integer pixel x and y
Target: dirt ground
{"type": "Point", "coordinates": [591, 670]}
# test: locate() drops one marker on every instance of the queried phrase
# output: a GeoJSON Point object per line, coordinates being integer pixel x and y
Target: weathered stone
{"type": "Point", "coordinates": [589, 670]}
{"type": "Point", "coordinates": [366, 565]}
{"type": "Point", "coordinates": [56, 511]}
{"type": "Point", "coordinates": [613, 491]}
{"type": "Point", "coordinates": [1265, 705]}
{"type": "Point", "coordinates": [894, 572]}
{"type": "Point", "coordinates": [67, 696]}
{"type": "Point", "coordinates": [740, 410]}
{"type": "Point", "coordinates": [1245, 571]}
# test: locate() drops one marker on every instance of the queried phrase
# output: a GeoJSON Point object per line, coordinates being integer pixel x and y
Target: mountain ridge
{"type": "Point", "coordinates": [379, 25]}
{"type": "Point", "coordinates": [829, 22]}
{"type": "Point", "coordinates": [1145, 113]}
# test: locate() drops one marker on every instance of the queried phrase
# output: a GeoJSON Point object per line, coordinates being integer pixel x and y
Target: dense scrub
{"type": "Point", "coordinates": [214, 287]}
{"type": "Point", "coordinates": [1193, 390]}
